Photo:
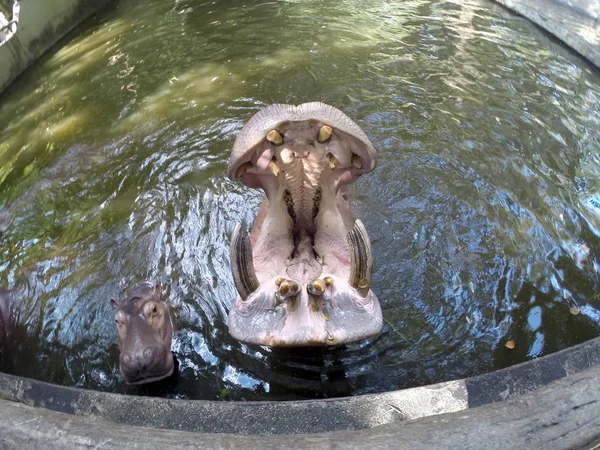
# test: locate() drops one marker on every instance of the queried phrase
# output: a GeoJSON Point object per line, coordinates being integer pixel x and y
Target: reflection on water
{"type": "Point", "coordinates": [484, 210]}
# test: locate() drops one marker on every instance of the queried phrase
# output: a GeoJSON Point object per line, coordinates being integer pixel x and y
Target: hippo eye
{"type": "Point", "coordinates": [154, 309]}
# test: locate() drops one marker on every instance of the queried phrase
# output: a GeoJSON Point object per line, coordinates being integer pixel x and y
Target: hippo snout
{"type": "Point", "coordinates": [149, 364]}
{"type": "Point", "coordinates": [141, 360]}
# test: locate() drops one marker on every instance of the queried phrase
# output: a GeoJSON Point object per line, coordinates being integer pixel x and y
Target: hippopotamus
{"type": "Point", "coordinates": [144, 334]}
{"type": "Point", "coordinates": [4, 219]}
{"type": "Point", "coordinates": [5, 318]}
{"type": "Point", "coordinates": [303, 273]}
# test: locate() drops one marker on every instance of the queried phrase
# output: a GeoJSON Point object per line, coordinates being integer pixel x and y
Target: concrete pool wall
{"type": "Point", "coordinates": [574, 22]}
{"type": "Point", "coordinates": [550, 402]}
{"type": "Point", "coordinates": [39, 25]}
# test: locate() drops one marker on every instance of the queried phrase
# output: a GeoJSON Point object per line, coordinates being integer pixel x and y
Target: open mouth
{"type": "Point", "coordinates": [303, 274]}
{"type": "Point", "coordinates": [143, 377]}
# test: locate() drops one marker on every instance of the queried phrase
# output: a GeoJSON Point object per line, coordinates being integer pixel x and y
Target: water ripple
{"type": "Point", "coordinates": [484, 211]}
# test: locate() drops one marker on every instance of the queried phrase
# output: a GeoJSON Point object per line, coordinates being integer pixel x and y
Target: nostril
{"type": "Point", "coordinates": [127, 358]}
{"type": "Point", "coordinates": [148, 353]}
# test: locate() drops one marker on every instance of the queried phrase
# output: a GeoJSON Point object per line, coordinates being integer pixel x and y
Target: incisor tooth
{"type": "Point", "coordinates": [324, 133]}
{"type": "Point", "coordinates": [275, 137]}
{"type": "Point", "coordinates": [274, 168]}
{"type": "Point", "coordinates": [332, 161]}
{"type": "Point", "coordinates": [356, 162]}
{"type": "Point", "coordinates": [317, 287]}
{"type": "Point", "coordinates": [328, 281]}
{"type": "Point", "coordinates": [288, 287]}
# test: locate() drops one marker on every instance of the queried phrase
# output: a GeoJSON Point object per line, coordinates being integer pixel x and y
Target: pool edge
{"type": "Point", "coordinates": [557, 414]}
{"type": "Point", "coordinates": [42, 23]}
{"type": "Point", "coordinates": [307, 416]}
{"type": "Point", "coordinates": [574, 25]}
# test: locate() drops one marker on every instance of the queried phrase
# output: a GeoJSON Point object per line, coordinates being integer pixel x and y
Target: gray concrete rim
{"type": "Point", "coordinates": [552, 402]}
{"type": "Point", "coordinates": [565, 414]}
{"type": "Point", "coordinates": [303, 417]}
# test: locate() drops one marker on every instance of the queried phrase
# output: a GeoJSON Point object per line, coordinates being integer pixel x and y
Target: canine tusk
{"type": "Point", "coordinates": [361, 268]}
{"type": "Point", "coordinates": [242, 267]}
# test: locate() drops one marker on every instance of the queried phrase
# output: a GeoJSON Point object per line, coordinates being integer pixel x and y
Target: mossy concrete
{"type": "Point", "coordinates": [41, 24]}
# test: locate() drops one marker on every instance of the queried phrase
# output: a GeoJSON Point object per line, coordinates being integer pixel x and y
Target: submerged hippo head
{"type": "Point", "coordinates": [144, 334]}
{"type": "Point", "coordinates": [304, 274]}
{"type": "Point", "coordinates": [5, 319]}
{"type": "Point", "coordinates": [4, 219]}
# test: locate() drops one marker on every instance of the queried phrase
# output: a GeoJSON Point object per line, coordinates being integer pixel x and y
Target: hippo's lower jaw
{"type": "Point", "coordinates": [286, 311]}
{"type": "Point", "coordinates": [338, 316]}
{"type": "Point", "coordinates": [304, 275]}
{"type": "Point", "coordinates": [144, 376]}
{"type": "Point", "coordinates": [148, 379]}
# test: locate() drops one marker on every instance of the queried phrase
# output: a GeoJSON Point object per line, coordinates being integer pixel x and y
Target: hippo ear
{"type": "Point", "coordinates": [159, 291]}
{"type": "Point", "coordinates": [114, 303]}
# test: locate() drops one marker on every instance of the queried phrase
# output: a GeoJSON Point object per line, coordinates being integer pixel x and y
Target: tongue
{"type": "Point", "coordinates": [304, 266]}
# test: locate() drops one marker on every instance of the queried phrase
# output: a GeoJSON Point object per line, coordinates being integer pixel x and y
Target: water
{"type": "Point", "coordinates": [484, 210]}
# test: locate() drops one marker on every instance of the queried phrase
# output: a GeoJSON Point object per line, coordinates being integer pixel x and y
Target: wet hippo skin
{"type": "Point", "coordinates": [5, 318]}
{"type": "Point", "coordinates": [144, 334]}
{"type": "Point", "coordinates": [303, 274]}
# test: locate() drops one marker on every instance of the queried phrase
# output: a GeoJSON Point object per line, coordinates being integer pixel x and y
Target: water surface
{"type": "Point", "coordinates": [484, 211]}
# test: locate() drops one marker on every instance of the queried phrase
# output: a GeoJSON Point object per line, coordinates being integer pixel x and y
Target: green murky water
{"type": "Point", "coordinates": [484, 211]}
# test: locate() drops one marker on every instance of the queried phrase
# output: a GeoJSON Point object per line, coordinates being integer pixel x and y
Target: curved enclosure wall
{"type": "Point", "coordinates": [484, 211]}
{"type": "Point", "coordinates": [33, 26]}
{"type": "Point", "coordinates": [575, 22]}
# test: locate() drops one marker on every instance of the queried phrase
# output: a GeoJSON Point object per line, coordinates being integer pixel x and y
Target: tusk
{"type": "Point", "coordinates": [361, 268]}
{"type": "Point", "coordinates": [324, 134]}
{"type": "Point", "coordinates": [332, 161]}
{"type": "Point", "coordinates": [242, 267]}
{"type": "Point", "coordinates": [275, 137]}
{"type": "Point", "coordinates": [356, 162]}
{"type": "Point", "coordinates": [274, 167]}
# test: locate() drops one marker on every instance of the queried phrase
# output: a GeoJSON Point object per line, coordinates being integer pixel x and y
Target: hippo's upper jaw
{"type": "Point", "coordinates": [304, 274]}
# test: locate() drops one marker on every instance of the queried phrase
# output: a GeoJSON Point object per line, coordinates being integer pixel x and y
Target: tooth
{"type": "Point", "coordinates": [284, 288]}
{"type": "Point", "coordinates": [317, 287]}
{"type": "Point", "coordinates": [332, 161]}
{"type": "Point", "coordinates": [242, 268]}
{"type": "Point", "coordinates": [274, 167]}
{"type": "Point", "coordinates": [356, 162]}
{"type": "Point", "coordinates": [288, 288]}
{"type": "Point", "coordinates": [278, 281]}
{"type": "Point", "coordinates": [242, 169]}
{"type": "Point", "coordinates": [328, 281]}
{"type": "Point", "coordinates": [361, 268]}
{"type": "Point", "coordinates": [324, 134]}
{"type": "Point", "coordinates": [275, 137]}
